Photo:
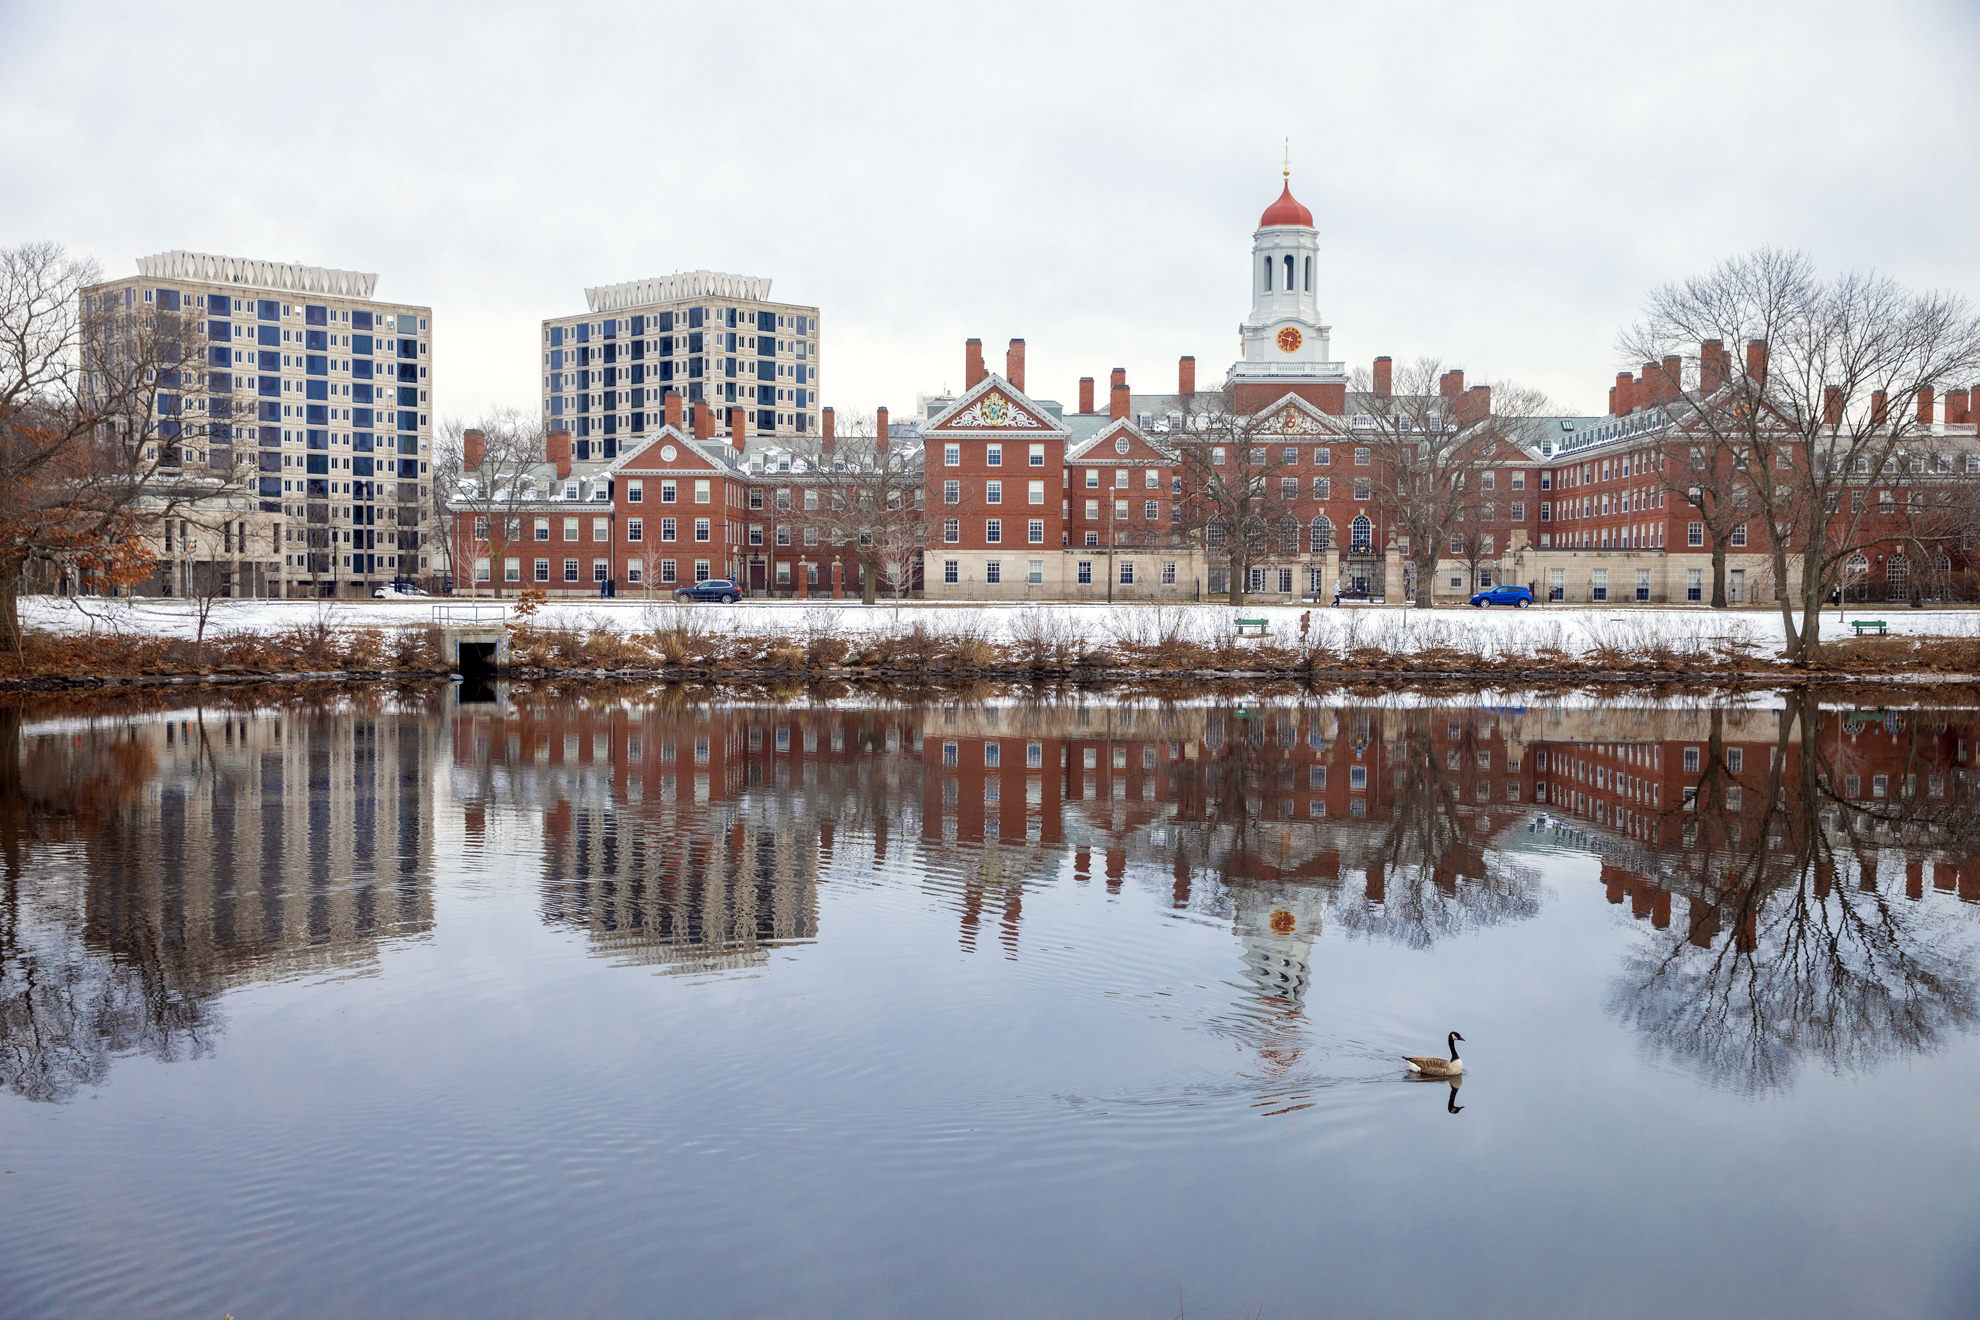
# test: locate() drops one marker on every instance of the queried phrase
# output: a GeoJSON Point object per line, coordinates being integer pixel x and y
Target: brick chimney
{"type": "Point", "coordinates": [557, 450]}
{"type": "Point", "coordinates": [973, 372]}
{"type": "Point", "coordinates": [1925, 405]}
{"type": "Point", "coordinates": [1622, 396]}
{"type": "Point", "coordinates": [1612, 401]}
{"type": "Point", "coordinates": [1712, 365]}
{"type": "Point", "coordinates": [1832, 409]}
{"type": "Point", "coordinates": [1186, 376]}
{"type": "Point", "coordinates": [1451, 383]}
{"type": "Point", "coordinates": [1117, 395]}
{"type": "Point", "coordinates": [1879, 408]}
{"type": "Point", "coordinates": [1086, 394]}
{"type": "Point", "coordinates": [1650, 382]}
{"type": "Point", "coordinates": [738, 427]}
{"type": "Point", "coordinates": [704, 421]}
{"type": "Point", "coordinates": [1672, 383]}
{"type": "Point", "coordinates": [1956, 414]}
{"type": "Point", "coordinates": [828, 431]}
{"type": "Point", "coordinates": [1385, 367]}
{"type": "Point", "coordinates": [674, 411]}
{"type": "Point", "coordinates": [880, 436]}
{"type": "Point", "coordinates": [1756, 360]}
{"type": "Point", "coordinates": [1014, 364]}
{"type": "Point", "coordinates": [1474, 405]}
{"type": "Point", "coordinates": [474, 450]}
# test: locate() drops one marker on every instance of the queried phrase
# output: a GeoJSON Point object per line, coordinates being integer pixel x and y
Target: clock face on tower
{"type": "Point", "coordinates": [1289, 340]}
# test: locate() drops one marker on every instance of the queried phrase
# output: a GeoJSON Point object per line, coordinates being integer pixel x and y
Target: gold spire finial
{"type": "Point", "coordinates": [1287, 172]}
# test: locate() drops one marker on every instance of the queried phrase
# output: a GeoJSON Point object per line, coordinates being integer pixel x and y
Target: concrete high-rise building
{"type": "Point", "coordinates": [709, 337]}
{"type": "Point", "coordinates": [329, 394]}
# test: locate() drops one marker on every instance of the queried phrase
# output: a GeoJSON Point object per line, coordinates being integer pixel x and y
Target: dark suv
{"type": "Point", "coordinates": [717, 589]}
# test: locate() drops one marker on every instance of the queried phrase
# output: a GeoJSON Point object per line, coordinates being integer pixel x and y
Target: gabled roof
{"type": "Point", "coordinates": [688, 454]}
{"type": "Point", "coordinates": [992, 408]}
{"type": "Point", "coordinates": [1140, 444]}
{"type": "Point", "coordinates": [1292, 415]}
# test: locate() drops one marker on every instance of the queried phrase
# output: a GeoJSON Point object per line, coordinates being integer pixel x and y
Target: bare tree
{"type": "Point", "coordinates": [500, 486]}
{"type": "Point", "coordinates": [107, 422]}
{"type": "Point", "coordinates": [1433, 447]}
{"type": "Point", "coordinates": [1823, 409]}
{"type": "Point", "coordinates": [1233, 504]}
{"type": "Point", "coordinates": [864, 494]}
{"type": "Point", "coordinates": [445, 471]}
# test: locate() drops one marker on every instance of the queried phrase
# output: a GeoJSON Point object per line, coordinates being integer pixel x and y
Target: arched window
{"type": "Point", "coordinates": [1321, 535]}
{"type": "Point", "coordinates": [1309, 275]}
{"type": "Point", "coordinates": [1897, 577]}
{"type": "Point", "coordinates": [1213, 535]}
{"type": "Point", "coordinates": [1360, 531]}
{"type": "Point", "coordinates": [1268, 274]}
{"type": "Point", "coordinates": [1289, 272]}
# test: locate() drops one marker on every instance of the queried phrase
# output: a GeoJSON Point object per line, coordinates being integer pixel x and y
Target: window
{"type": "Point", "coordinates": [1739, 535]}
{"type": "Point", "coordinates": [1035, 532]}
{"type": "Point", "coordinates": [1038, 455]}
{"type": "Point", "coordinates": [1093, 510]}
{"type": "Point", "coordinates": [1361, 456]}
{"type": "Point", "coordinates": [666, 492]}
{"type": "Point", "coordinates": [993, 492]}
{"type": "Point", "coordinates": [633, 570]}
{"type": "Point", "coordinates": [993, 530]}
{"type": "Point", "coordinates": [1694, 534]}
{"type": "Point", "coordinates": [481, 570]}
{"type": "Point", "coordinates": [1035, 572]}
{"type": "Point", "coordinates": [512, 570]}
{"type": "Point", "coordinates": [667, 526]}
{"type": "Point", "coordinates": [993, 571]}
{"type": "Point", "coordinates": [701, 570]}
{"type": "Point", "coordinates": [570, 570]}
{"type": "Point", "coordinates": [1127, 572]}
{"type": "Point", "coordinates": [1037, 492]}
{"type": "Point", "coordinates": [1085, 574]}
{"type": "Point", "coordinates": [1360, 533]}
{"type": "Point", "coordinates": [1093, 479]}
{"type": "Point", "coordinates": [1642, 584]}
{"type": "Point", "coordinates": [951, 531]}
{"type": "Point", "coordinates": [701, 529]}
{"type": "Point", "coordinates": [1735, 759]}
{"type": "Point", "coordinates": [1120, 510]}
{"type": "Point", "coordinates": [601, 529]}
{"type": "Point", "coordinates": [701, 492]}
{"type": "Point", "coordinates": [601, 569]}
{"type": "Point", "coordinates": [1363, 488]}
{"type": "Point", "coordinates": [1288, 489]}
{"type": "Point", "coordinates": [1217, 455]}
{"type": "Point", "coordinates": [1323, 488]}
{"type": "Point", "coordinates": [542, 529]}
{"type": "Point", "coordinates": [1519, 510]}
{"type": "Point", "coordinates": [667, 571]}
{"type": "Point", "coordinates": [570, 529]}
{"type": "Point", "coordinates": [951, 570]}
{"type": "Point", "coordinates": [1694, 584]}
{"type": "Point", "coordinates": [1598, 587]}
{"type": "Point", "coordinates": [993, 456]}
{"type": "Point", "coordinates": [951, 455]}
{"type": "Point", "coordinates": [952, 492]}
{"type": "Point", "coordinates": [1169, 573]}
{"type": "Point", "coordinates": [1151, 510]}
{"type": "Point", "coordinates": [542, 570]}
{"type": "Point", "coordinates": [635, 529]}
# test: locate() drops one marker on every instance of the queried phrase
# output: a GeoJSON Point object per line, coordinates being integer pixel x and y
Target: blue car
{"type": "Point", "coordinates": [1504, 594]}
{"type": "Point", "coordinates": [721, 589]}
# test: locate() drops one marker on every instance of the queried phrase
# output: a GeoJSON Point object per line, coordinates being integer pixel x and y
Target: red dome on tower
{"type": "Point", "coordinates": [1286, 211]}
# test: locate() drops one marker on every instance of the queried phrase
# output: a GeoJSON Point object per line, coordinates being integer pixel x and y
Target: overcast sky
{"type": "Point", "coordinates": [1494, 185]}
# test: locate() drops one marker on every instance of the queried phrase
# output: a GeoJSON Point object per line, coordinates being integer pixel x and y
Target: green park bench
{"type": "Point", "coordinates": [1861, 624]}
{"type": "Point", "coordinates": [1263, 627]}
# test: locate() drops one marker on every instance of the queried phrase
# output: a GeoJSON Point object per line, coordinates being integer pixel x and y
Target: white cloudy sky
{"type": "Point", "coordinates": [1495, 184]}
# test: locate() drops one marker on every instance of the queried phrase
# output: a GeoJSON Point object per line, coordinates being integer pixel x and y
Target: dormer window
{"type": "Point", "coordinates": [570, 490]}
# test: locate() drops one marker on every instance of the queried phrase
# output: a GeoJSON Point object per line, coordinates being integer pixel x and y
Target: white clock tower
{"type": "Point", "coordinates": [1285, 345]}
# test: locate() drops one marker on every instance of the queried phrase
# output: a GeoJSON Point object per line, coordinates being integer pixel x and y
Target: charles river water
{"type": "Point", "coordinates": [625, 1001]}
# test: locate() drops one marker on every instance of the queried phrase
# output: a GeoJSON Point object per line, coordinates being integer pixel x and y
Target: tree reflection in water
{"type": "Point", "coordinates": [1796, 950]}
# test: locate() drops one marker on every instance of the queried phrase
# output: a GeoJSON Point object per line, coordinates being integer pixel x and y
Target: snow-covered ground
{"type": "Point", "coordinates": [1572, 628]}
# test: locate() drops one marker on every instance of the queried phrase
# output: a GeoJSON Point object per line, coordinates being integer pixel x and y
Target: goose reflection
{"type": "Point", "coordinates": [1451, 1105]}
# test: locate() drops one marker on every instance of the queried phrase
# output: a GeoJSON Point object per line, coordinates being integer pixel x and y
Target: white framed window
{"type": "Point", "coordinates": [701, 529]}
{"type": "Point", "coordinates": [701, 492]}
{"type": "Point", "coordinates": [993, 571]}
{"type": "Point", "coordinates": [951, 570]}
{"type": "Point", "coordinates": [1035, 572]}
{"type": "Point", "coordinates": [635, 529]}
{"type": "Point", "coordinates": [993, 492]}
{"type": "Point", "coordinates": [1169, 573]}
{"type": "Point", "coordinates": [951, 455]}
{"type": "Point", "coordinates": [951, 531]}
{"type": "Point", "coordinates": [993, 456]}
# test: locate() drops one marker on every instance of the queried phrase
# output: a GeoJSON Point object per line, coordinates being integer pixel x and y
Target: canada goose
{"type": "Point", "coordinates": [1431, 1066]}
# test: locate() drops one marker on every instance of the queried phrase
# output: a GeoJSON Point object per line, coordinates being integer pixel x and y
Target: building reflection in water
{"type": "Point", "coordinates": [153, 861]}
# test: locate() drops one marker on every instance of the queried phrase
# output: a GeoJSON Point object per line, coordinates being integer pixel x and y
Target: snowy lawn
{"type": "Point", "coordinates": [1570, 628]}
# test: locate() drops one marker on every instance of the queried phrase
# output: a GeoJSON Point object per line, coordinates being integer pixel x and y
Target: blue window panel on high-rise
{"type": "Point", "coordinates": [766, 320]}
{"type": "Point", "coordinates": [556, 359]}
{"type": "Point", "coordinates": [271, 411]}
{"type": "Point", "coordinates": [696, 342]}
{"type": "Point", "coordinates": [317, 389]}
{"type": "Point", "coordinates": [766, 393]}
{"type": "Point", "coordinates": [639, 398]}
{"type": "Point", "coordinates": [609, 448]}
{"type": "Point", "coordinates": [361, 368]}
{"type": "Point", "coordinates": [639, 375]}
{"type": "Point", "coordinates": [729, 368]}
{"type": "Point", "coordinates": [361, 321]}
{"type": "Point", "coordinates": [638, 422]}
{"type": "Point", "coordinates": [169, 428]}
{"type": "Point", "coordinates": [219, 330]}
{"type": "Point", "coordinates": [316, 463]}
{"type": "Point", "coordinates": [409, 371]}
{"type": "Point", "coordinates": [728, 316]}
{"type": "Point", "coordinates": [556, 336]}
{"type": "Point", "coordinates": [316, 341]}
{"type": "Point", "coordinates": [694, 368]}
{"type": "Point", "coordinates": [638, 349]}
{"type": "Point", "coordinates": [314, 315]}
{"type": "Point", "coordinates": [639, 325]}
{"type": "Point", "coordinates": [361, 392]}
{"type": "Point", "coordinates": [318, 415]}
{"type": "Point", "coordinates": [267, 336]}
{"type": "Point", "coordinates": [316, 439]}
{"type": "Point", "coordinates": [557, 406]}
{"type": "Point", "coordinates": [361, 417]}
{"type": "Point", "coordinates": [408, 421]}
{"type": "Point", "coordinates": [167, 300]}
{"type": "Point", "coordinates": [583, 333]}
{"type": "Point", "coordinates": [316, 489]}
{"type": "Point", "coordinates": [361, 465]}
{"type": "Point", "coordinates": [267, 309]}
{"type": "Point", "coordinates": [316, 364]}
{"type": "Point", "coordinates": [584, 426]}
{"type": "Point", "coordinates": [408, 396]}
{"type": "Point", "coordinates": [219, 357]}
{"type": "Point", "coordinates": [800, 377]}
{"type": "Point", "coordinates": [271, 485]}
{"type": "Point", "coordinates": [663, 347]}
{"type": "Point", "coordinates": [611, 328]}
{"type": "Point", "coordinates": [361, 442]}
{"type": "Point", "coordinates": [409, 444]}
{"type": "Point", "coordinates": [802, 323]}
{"type": "Point", "coordinates": [268, 361]}
{"type": "Point", "coordinates": [766, 371]}
{"type": "Point", "coordinates": [665, 321]}
{"type": "Point", "coordinates": [270, 463]}
{"type": "Point", "coordinates": [220, 384]}
{"type": "Point", "coordinates": [408, 348]}
{"type": "Point", "coordinates": [583, 448]}
{"type": "Point", "coordinates": [271, 435]}
{"type": "Point", "coordinates": [269, 387]}
{"type": "Point", "coordinates": [800, 397]}
{"type": "Point", "coordinates": [361, 345]}
{"type": "Point", "coordinates": [611, 424]}
{"type": "Point", "coordinates": [694, 318]}
{"type": "Point", "coordinates": [168, 405]}
{"type": "Point", "coordinates": [766, 421]}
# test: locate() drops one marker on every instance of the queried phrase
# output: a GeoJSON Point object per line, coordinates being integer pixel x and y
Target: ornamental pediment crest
{"type": "Point", "coordinates": [1292, 420]}
{"type": "Point", "coordinates": [993, 411]}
